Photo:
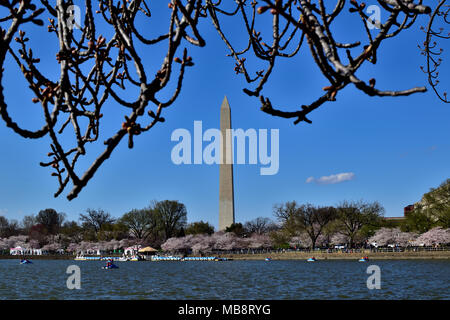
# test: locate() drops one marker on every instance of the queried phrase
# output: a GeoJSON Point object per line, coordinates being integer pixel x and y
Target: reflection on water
{"type": "Point", "coordinates": [409, 279]}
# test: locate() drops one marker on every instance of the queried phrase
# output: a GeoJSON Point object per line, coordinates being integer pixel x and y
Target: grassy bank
{"type": "Point", "coordinates": [341, 256]}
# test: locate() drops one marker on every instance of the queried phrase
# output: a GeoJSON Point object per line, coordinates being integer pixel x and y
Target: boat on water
{"type": "Point", "coordinates": [123, 259]}
{"type": "Point", "coordinates": [364, 259]}
{"type": "Point", "coordinates": [268, 259]}
{"type": "Point", "coordinates": [223, 259]}
{"type": "Point", "coordinates": [165, 258]}
{"type": "Point", "coordinates": [312, 259]}
{"type": "Point", "coordinates": [204, 259]}
{"type": "Point", "coordinates": [132, 258]}
{"type": "Point", "coordinates": [135, 258]}
{"type": "Point", "coordinates": [25, 261]}
{"type": "Point", "coordinates": [84, 258]}
{"type": "Point", "coordinates": [176, 258]}
{"type": "Point", "coordinates": [110, 265]}
{"type": "Point", "coordinates": [100, 258]}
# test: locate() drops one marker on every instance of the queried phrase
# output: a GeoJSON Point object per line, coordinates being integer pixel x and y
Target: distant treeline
{"type": "Point", "coordinates": [153, 225]}
{"type": "Point", "coordinates": [163, 224]}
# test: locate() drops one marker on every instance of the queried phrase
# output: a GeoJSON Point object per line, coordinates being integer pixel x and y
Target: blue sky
{"type": "Point", "coordinates": [396, 148]}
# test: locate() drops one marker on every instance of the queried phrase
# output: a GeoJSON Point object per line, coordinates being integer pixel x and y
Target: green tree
{"type": "Point", "coordinates": [51, 220]}
{"type": "Point", "coordinates": [39, 233]}
{"type": "Point", "coordinates": [312, 220]}
{"type": "Point", "coordinates": [8, 228]}
{"type": "Point", "coordinates": [237, 228]}
{"type": "Point", "coordinates": [199, 227]}
{"type": "Point", "coordinates": [141, 223]}
{"type": "Point", "coordinates": [280, 238]}
{"type": "Point", "coordinates": [260, 225]}
{"type": "Point", "coordinates": [417, 221]}
{"type": "Point", "coordinates": [27, 223]}
{"type": "Point", "coordinates": [436, 204]}
{"type": "Point", "coordinates": [283, 212]}
{"type": "Point", "coordinates": [171, 217]}
{"type": "Point", "coordinates": [120, 230]}
{"type": "Point", "coordinates": [4, 224]}
{"type": "Point", "coordinates": [353, 216]}
{"type": "Point", "coordinates": [95, 219]}
{"type": "Point", "coordinates": [72, 230]}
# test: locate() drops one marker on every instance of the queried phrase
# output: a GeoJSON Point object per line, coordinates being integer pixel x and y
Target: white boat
{"type": "Point", "coordinates": [25, 261]}
{"type": "Point", "coordinates": [135, 258]}
{"type": "Point", "coordinates": [95, 258]}
{"type": "Point", "coordinates": [81, 258]}
{"type": "Point", "coordinates": [165, 258]}
{"type": "Point", "coordinates": [123, 259]}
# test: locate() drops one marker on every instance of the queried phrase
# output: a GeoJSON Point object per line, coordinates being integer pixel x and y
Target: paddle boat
{"type": "Point", "coordinates": [312, 259]}
{"type": "Point", "coordinates": [90, 258]}
{"type": "Point", "coordinates": [135, 258]}
{"type": "Point", "coordinates": [268, 259]}
{"type": "Point", "coordinates": [364, 259]}
{"type": "Point", "coordinates": [25, 261]}
{"type": "Point", "coordinates": [203, 259]}
{"type": "Point", "coordinates": [222, 259]}
{"type": "Point", "coordinates": [113, 266]}
{"type": "Point", "coordinates": [123, 259]}
{"type": "Point", "coordinates": [110, 265]}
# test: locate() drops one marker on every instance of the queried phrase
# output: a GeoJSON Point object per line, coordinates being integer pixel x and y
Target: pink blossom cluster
{"type": "Point", "coordinates": [217, 241]}
{"type": "Point", "coordinates": [393, 236]}
{"type": "Point", "coordinates": [435, 236]}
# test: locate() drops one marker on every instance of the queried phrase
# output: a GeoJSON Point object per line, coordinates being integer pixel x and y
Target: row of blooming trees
{"type": "Point", "coordinates": [359, 223]}
{"type": "Point", "coordinates": [349, 224]}
{"type": "Point", "coordinates": [396, 237]}
{"type": "Point", "coordinates": [164, 225]}
{"type": "Point", "coordinates": [312, 226]}
{"type": "Point", "coordinates": [55, 245]}
{"type": "Point", "coordinates": [50, 231]}
{"type": "Point", "coordinates": [226, 241]}
{"type": "Point", "coordinates": [219, 241]}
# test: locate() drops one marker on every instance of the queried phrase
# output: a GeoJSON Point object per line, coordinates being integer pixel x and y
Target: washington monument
{"type": "Point", "coordinates": [226, 189]}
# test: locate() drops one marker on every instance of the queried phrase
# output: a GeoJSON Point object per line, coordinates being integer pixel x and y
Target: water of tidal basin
{"type": "Point", "coordinates": [336, 279]}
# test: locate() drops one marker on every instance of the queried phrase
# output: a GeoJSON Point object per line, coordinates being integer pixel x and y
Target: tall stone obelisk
{"type": "Point", "coordinates": [226, 189]}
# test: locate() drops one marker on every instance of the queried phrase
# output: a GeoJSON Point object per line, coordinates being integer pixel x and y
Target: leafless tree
{"type": "Point", "coordinates": [259, 226]}
{"type": "Point", "coordinates": [140, 222]}
{"type": "Point", "coordinates": [96, 219]}
{"type": "Point", "coordinates": [436, 31]}
{"type": "Point", "coordinates": [300, 20]}
{"type": "Point", "coordinates": [353, 215]}
{"type": "Point", "coordinates": [103, 62]}
{"type": "Point", "coordinates": [171, 217]}
{"type": "Point", "coordinates": [93, 71]}
{"type": "Point", "coordinates": [284, 212]}
{"type": "Point", "coordinates": [310, 220]}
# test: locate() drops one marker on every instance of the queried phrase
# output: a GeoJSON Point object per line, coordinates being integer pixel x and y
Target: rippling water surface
{"type": "Point", "coordinates": [408, 279]}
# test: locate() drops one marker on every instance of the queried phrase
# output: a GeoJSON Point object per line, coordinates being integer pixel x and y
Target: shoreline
{"type": "Point", "coordinates": [344, 256]}
{"type": "Point", "coordinates": [424, 255]}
